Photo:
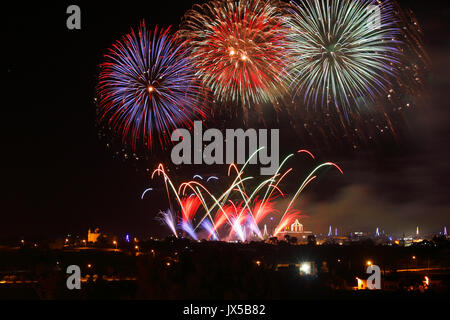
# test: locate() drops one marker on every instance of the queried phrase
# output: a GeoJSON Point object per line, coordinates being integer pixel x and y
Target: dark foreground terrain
{"type": "Point", "coordinates": [180, 269]}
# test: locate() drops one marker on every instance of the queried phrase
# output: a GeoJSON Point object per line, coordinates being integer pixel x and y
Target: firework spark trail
{"type": "Point", "coordinates": [207, 225]}
{"type": "Point", "coordinates": [307, 181]}
{"type": "Point", "coordinates": [145, 192]}
{"type": "Point", "coordinates": [237, 224]}
{"type": "Point", "coordinates": [161, 171]}
{"type": "Point", "coordinates": [262, 210]}
{"type": "Point", "coordinates": [189, 207]}
{"type": "Point", "coordinates": [212, 178]}
{"type": "Point", "coordinates": [147, 87]}
{"type": "Point", "coordinates": [186, 225]}
{"type": "Point", "coordinates": [196, 187]}
{"type": "Point", "coordinates": [253, 228]}
{"type": "Point", "coordinates": [224, 197]}
{"type": "Point", "coordinates": [245, 197]}
{"type": "Point", "coordinates": [222, 216]}
{"type": "Point", "coordinates": [189, 229]}
{"type": "Point", "coordinates": [243, 217]}
{"type": "Point", "coordinates": [236, 184]}
{"type": "Point", "coordinates": [241, 181]}
{"type": "Point", "coordinates": [168, 219]}
{"type": "Point", "coordinates": [246, 209]}
{"type": "Point", "coordinates": [269, 193]}
{"type": "Point", "coordinates": [308, 153]}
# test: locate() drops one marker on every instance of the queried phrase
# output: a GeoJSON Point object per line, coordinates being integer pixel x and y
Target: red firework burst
{"type": "Point", "coordinates": [239, 49]}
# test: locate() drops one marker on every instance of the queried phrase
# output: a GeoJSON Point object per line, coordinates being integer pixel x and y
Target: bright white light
{"type": "Point", "coordinates": [305, 268]}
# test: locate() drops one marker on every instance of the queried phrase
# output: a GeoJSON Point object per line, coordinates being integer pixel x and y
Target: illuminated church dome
{"type": "Point", "coordinates": [297, 227]}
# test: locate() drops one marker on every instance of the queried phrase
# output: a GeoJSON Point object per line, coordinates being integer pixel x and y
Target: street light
{"type": "Point", "coordinates": [369, 263]}
{"type": "Point", "coordinates": [115, 243]}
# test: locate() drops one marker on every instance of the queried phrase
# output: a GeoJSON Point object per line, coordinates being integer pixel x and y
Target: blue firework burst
{"type": "Point", "coordinates": [147, 87]}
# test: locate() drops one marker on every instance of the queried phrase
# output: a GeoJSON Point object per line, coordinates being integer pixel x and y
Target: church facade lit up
{"type": "Point", "coordinates": [296, 230]}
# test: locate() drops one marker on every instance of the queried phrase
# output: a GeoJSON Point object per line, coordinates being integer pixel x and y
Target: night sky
{"type": "Point", "coordinates": [59, 177]}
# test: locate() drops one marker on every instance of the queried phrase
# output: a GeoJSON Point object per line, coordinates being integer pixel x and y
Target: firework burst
{"type": "Point", "coordinates": [148, 87]}
{"type": "Point", "coordinates": [344, 52]}
{"type": "Point", "coordinates": [377, 117]}
{"type": "Point", "coordinates": [239, 49]}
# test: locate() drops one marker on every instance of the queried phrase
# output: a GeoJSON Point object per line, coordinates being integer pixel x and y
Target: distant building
{"type": "Point", "coordinates": [307, 268]}
{"type": "Point", "coordinates": [94, 236]}
{"type": "Point", "coordinates": [296, 230]}
{"type": "Point", "coordinates": [362, 284]}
